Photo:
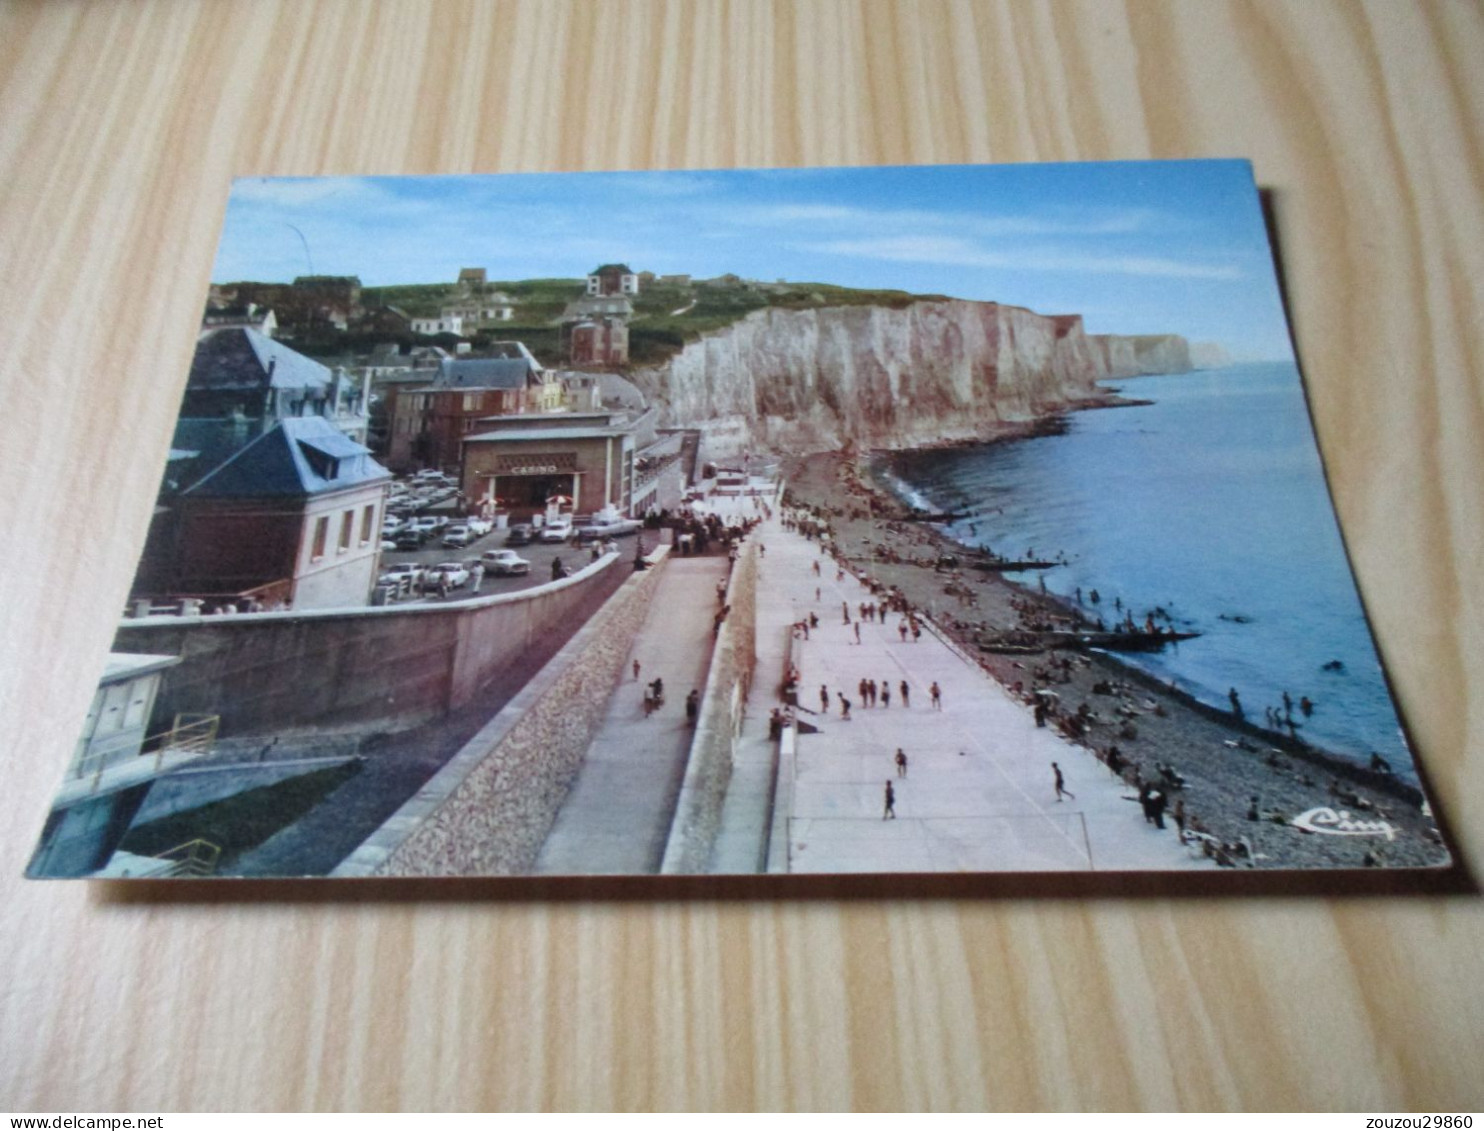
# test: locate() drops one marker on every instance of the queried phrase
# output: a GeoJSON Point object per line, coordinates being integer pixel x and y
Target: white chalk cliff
{"type": "Point", "coordinates": [885, 376]}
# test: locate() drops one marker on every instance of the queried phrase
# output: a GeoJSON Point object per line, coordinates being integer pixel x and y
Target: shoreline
{"type": "Point", "coordinates": [1225, 762]}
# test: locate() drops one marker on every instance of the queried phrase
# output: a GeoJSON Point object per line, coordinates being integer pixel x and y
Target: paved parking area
{"type": "Point", "coordinates": [539, 554]}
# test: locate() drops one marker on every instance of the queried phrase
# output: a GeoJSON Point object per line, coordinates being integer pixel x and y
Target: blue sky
{"type": "Point", "coordinates": [1135, 247]}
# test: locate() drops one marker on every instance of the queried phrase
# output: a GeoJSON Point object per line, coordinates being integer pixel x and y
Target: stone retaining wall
{"type": "Point", "coordinates": [489, 810]}
{"type": "Point", "coordinates": [709, 767]}
{"type": "Point", "coordinates": [391, 667]}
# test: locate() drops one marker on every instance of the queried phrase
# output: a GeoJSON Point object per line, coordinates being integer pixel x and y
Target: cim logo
{"type": "Point", "coordinates": [1326, 820]}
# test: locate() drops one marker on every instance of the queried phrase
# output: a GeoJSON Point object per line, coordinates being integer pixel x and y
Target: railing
{"type": "Point", "coordinates": [193, 858]}
{"type": "Point", "coordinates": [191, 735]}
{"type": "Point", "coordinates": [262, 598]}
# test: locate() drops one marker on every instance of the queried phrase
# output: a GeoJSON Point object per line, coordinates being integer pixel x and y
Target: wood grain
{"type": "Point", "coordinates": [121, 124]}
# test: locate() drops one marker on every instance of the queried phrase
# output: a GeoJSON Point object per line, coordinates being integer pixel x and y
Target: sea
{"type": "Point", "coordinates": [1209, 503]}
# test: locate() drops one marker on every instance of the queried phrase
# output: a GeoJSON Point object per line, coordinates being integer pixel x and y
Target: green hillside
{"type": "Point", "coordinates": [666, 316]}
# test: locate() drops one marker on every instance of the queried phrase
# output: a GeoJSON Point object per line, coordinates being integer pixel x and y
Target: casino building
{"type": "Point", "coordinates": [517, 463]}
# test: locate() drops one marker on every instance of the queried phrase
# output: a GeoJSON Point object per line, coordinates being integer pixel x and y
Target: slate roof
{"type": "Point", "coordinates": [596, 305]}
{"type": "Point", "coordinates": [238, 357]}
{"type": "Point", "coordinates": [486, 373]}
{"type": "Point", "coordinates": [512, 349]}
{"type": "Point", "coordinates": [200, 444]}
{"type": "Point", "coordinates": [290, 460]}
{"type": "Point", "coordinates": [621, 268]}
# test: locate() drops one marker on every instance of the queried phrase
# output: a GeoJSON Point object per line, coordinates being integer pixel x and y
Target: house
{"type": "Point", "coordinates": [581, 392]}
{"type": "Point", "coordinates": [429, 422]}
{"type": "Point", "coordinates": [600, 342]}
{"type": "Point", "coordinates": [598, 306]}
{"type": "Point", "coordinates": [240, 375]}
{"type": "Point", "coordinates": [613, 279]}
{"type": "Point", "coordinates": [293, 518]}
{"type": "Point", "coordinates": [248, 315]}
{"type": "Point", "coordinates": [439, 324]}
{"type": "Point", "coordinates": [477, 310]}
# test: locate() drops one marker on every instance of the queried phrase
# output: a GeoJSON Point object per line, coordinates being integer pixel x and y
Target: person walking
{"type": "Point", "coordinates": [636, 671]}
{"type": "Point", "coordinates": [935, 693]}
{"type": "Point", "coordinates": [901, 762]}
{"type": "Point", "coordinates": [857, 632]}
{"type": "Point", "coordinates": [886, 693]}
{"type": "Point", "coordinates": [1061, 784]}
{"type": "Point", "coordinates": [891, 802]}
{"type": "Point", "coordinates": [692, 706]}
{"type": "Point", "coordinates": [906, 693]}
{"type": "Point", "coordinates": [824, 699]}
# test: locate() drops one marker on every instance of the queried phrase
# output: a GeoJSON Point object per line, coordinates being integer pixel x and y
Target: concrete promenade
{"type": "Point", "coordinates": [616, 819]}
{"type": "Point", "coordinates": [978, 794]}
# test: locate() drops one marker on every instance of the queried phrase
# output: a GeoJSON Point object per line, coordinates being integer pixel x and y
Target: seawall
{"type": "Point", "coordinates": [488, 811]}
{"type": "Point", "coordinates": [390, 667]}
{"type": "Point", "coordinates": [708, 769]}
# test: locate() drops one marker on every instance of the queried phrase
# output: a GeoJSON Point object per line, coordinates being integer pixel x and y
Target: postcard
{"type": "Point", "coordinates": [956, 519]}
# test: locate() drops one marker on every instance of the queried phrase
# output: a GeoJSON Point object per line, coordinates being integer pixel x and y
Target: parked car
{"type": "Point", "coordinates": [393, 574]}
{"type": "Point", "coordinates": [457, 537]}
{"type": "Point", "coordinates": [388, 544]}
{"type": "Point", "coordinates": [505, 563]}
{"type": "Point", "coordinates": [411, 539]}
{"type": "Point", "coordinates": [520, 534]}
{"type": "Point", "coordinates": [428, 523]}
{"type": "Point", "coordinates": [599, 531]}
{"type": "Point", "coordinates": [558, 529]}
{"type": "Point", "coordinates": [451, 574]}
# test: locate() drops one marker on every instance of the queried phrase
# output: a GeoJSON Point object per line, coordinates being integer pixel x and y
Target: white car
{"type": "Point", "coordinates": [402, 576]}
{"type": "Point", "coordinates": [457, 537]}
{"type": "Point", "coordinates": [478, 527]}
{"type": "Point", "coordinates": [452, 574]}
{"type": "Point", "coordinates": [557, 530]}
{"type": "Point", "coordinates": [598, 531]}
{"type": "Point", "coordinates": [505, 563]}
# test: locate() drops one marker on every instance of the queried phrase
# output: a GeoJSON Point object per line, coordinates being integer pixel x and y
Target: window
{"type": "Point", "coordinates": [347, 524]}
{"type": "Point", "coordinates": [368, 521]}
{"type": "Point", "coordinates": [321, 533]}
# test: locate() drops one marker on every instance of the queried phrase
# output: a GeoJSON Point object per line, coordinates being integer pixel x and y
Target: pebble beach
{"type": "Point", "coordinates": [1242, 787]}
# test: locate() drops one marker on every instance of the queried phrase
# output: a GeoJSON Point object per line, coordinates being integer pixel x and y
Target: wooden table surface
{"type": "Point", "coordinates": [121, 124]}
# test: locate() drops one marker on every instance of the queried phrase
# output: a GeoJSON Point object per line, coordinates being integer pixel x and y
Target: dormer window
{"type": "Point", "coordinates": [322, 463]}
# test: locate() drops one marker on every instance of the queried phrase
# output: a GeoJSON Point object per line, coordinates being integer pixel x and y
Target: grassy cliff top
{"type": "Point", "coordinates": [666, 316]}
